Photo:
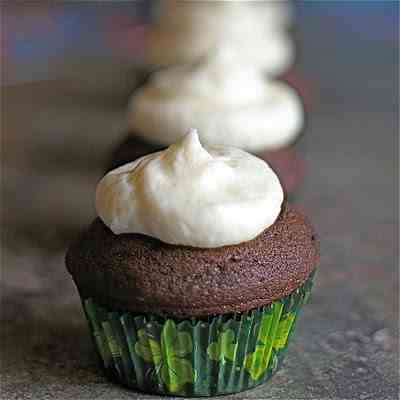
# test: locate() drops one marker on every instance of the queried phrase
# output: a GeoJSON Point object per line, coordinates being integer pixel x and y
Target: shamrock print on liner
{"type": "Point", "coordinates": [195, 358]}
{"type": "Point", "coordinates": [224, 348]}
{"type": "Point", "coordinates": [283, 331]}
{"type": "Point", "coordinates": [256, 363]}
{"type": "Point", "coordinates": [168, 355]}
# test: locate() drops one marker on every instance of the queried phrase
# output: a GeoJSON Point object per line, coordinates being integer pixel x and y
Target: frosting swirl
{"type": "Point", "coordinates": [227, 99]}
{"type": "Point", "coordinates": [187, 30]}
{"type": "Point", "coordinates": [189, 195]}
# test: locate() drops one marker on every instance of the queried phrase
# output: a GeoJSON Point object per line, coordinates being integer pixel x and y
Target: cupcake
{"type": "Point", "coordinates": [232, 104]}
{"type": "Point", "coordinates": [260, 29]}
{"type": "Point", "coordinates": [193, 275]}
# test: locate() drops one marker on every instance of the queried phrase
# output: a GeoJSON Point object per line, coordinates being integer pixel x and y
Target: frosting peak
{"type": "Point", "coordinates": [188, 151]}
{"type": "Point", "coordinates": [190, 195]}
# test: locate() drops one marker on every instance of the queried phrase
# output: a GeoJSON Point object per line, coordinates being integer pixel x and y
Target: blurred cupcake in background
{"type": "Point", "coordinates": [184, 31]}
{"type": "Point", "coordinates": [231, 102]}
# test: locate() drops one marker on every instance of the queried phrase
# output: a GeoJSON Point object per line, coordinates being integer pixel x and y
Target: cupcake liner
{"type": "Point", "coordinates": [198, 356]}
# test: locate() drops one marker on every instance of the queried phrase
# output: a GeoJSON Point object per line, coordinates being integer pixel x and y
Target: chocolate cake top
{"type": "Point", "coordinates": [134, 272]}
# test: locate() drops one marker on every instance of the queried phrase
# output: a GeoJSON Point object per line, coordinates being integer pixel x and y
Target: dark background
{"type": "Point", "coordinates": [67, 72]}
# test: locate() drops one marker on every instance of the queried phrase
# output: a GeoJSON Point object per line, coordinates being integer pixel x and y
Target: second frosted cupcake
{"type": "Point", "coordinates": [231, 103]}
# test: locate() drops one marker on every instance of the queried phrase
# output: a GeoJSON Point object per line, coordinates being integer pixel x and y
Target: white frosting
{"type": "Point", "coordinates": [189, 195]}
{"type": "Point", "coordinates": [275, 14]}
{"type": "Point", "coordinates": [188, 30]}
{"type": "Point", "coordinates": [229, 101]}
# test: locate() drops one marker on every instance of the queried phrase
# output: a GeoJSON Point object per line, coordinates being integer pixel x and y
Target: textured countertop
{"type": "Point", "coordinates": [56, 138]}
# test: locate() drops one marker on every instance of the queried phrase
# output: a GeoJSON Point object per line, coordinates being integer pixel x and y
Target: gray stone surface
{"type": "Point", "coordinates": [56, 137]}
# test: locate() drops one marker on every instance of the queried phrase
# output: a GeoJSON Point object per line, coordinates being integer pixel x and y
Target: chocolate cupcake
{"type": "Point", "coordinates": [194, 273]}
{"type": "Point", "coordinates": [231, 102]}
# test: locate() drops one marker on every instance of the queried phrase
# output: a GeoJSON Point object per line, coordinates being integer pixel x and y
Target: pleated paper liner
{"type": "Point", "coordinates": [195, 357]}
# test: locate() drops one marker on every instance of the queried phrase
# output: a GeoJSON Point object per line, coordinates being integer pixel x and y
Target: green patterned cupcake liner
{"type": "Point", "coordinates": [195, 357]}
